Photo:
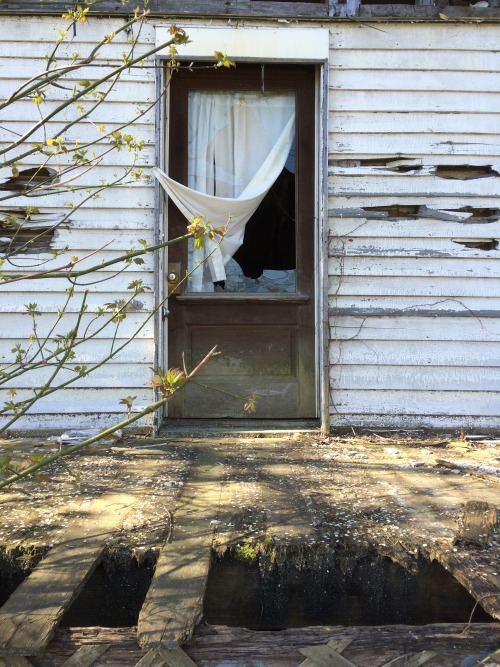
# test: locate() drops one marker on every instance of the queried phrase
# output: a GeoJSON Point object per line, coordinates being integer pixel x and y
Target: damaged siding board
{"type": "Point", "coordinates": [108, 226]}
{"type": "Point", "coordinates": [424, 267]}
{"type": "Point", "coordinates": [411, 185]}
{"type": "Point", "coordinates": [414, 259]}
{"type": "Point", "coordinates": [412, 247]}
{"type": "Point", "coordinates": [347, 228]}
{"type": "Point", "coordinates": [400, 326]}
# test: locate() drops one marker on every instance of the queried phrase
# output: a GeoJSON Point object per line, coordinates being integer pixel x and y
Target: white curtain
{"type": "Point", "coordinates": [238, 143]}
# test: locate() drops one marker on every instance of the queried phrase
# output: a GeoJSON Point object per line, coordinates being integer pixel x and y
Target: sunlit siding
{"type": "Point", "coordinates": [105, 227]}
{"type": "Point", "coordinates": [414, 292]}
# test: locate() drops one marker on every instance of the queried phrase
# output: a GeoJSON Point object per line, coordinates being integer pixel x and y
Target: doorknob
{"type": "Point", "coordinates": [174, 277]}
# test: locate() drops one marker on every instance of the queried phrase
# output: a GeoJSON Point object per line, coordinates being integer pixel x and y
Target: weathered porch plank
{"type": "Point", "coordinates": [337, 645]}
{"type": "Point", "coordinates": [16, 661]}
{"type": "Point", "coordinates": [30, 616]}
{"type": "Point", "coordinates": [86, 655]}
{"type": "Point", "coordinates": [151, 659]}
{"type": "Point", "coordinates": [412, 659]}
{"type": "Point", "coordinates": [478, 523]}
{"type": "Point", "coordinates": [174, 602]}
{"type": "Point", "coordinates": [175, 658]}
{"type": "Point", "coordinates": [325, 656]}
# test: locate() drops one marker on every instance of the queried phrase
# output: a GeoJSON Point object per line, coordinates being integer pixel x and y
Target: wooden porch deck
{"type": "Point", "coordinates": [395, 497]}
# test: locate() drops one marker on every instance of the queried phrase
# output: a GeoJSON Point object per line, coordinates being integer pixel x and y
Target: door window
{"type": "Point", "coordinates": [241, 177]}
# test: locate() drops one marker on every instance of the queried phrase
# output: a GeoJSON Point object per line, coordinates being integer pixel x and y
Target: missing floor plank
{"type": "Point", "coordinates": [347, 589]}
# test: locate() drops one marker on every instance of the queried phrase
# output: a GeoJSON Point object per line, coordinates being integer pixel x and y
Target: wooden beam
{"type": "Point", "coordinates": [176, 8]}
{"type": "Point", "coordinates": [174, 602]}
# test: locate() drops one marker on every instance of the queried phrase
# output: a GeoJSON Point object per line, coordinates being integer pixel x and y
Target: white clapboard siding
{"type": "Point", "coordinates": [111, 375]}
{"type": "Point", "coordinates": [141, 351]}
{"type": "Point", "coordinates": [402, 57]}
{"type": "Point", "coordinates": [386, 421]}
{"type": "Point", "coordinates": [140, 129]}
{"type": "Point", "coordinates": [410, 247]}
{"type": "Point", "coordinates": [404, 327]}
{"type": "Point", "coordinates": [401, 377]}
{"type": "Point", "coordinates": [136, 196]}
{"type": "Point", "coordinates": [106, 227]}
{"type": "Point", "coordinates": [470, 354]}
{"type": "Point", "coordinates": [421, 80]}
{"type": "Point", "coordinates": [22, 325]}
{"type": "Point", "coordinates": [412, 286]}
{"type": "Point", "coordinates": [411, 100]}
{"type": "Point", "coordinates": [52, 420]}
{"type": "Point", "coordinates": [422, 122]}
{"type": "Point", "coordinates": [410, 266]}
{"type": "Point", "coordinates": [15, 69]}
{"type": "Point", "coordinates": [110, 282]}
{"type": "Point", "coordinates": [425, 228]}
{"type": "Point", "coordinates": [140, 223]}
{"type": "Point", "coordinates": [89, 256]}
{"type": "Point", "coordinates": [47, 301]}
{"type": "Point", "coordinates": [113, 241]}
{"type": "Point", "coordinates": [96, 400]}
{"type": "Point", "coordinates": [417, 402]}
{"type": "Point", "coordinates": [40, 49]}
{"type": "Point", "coordinates": [46, 29]}
{"type": "Point", "coordinates": [413, 144]}
{"type": "Point", "coordinates": [57, 422]}
{"type": "Point", "coordinates": [420, 37]}
{"type": "Point", "coordinates": [120, 91]}
{"type": "Point", "coordinates": [118, 159]}
{"type": "Point", "coordinates": [115, 109]}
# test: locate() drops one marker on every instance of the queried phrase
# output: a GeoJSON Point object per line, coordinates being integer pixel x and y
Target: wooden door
{"type": "Point", "coordinates": [265, 336]}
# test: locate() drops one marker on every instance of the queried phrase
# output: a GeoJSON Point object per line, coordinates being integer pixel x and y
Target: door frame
{"type": "Point", "coordinates": [276, 46]}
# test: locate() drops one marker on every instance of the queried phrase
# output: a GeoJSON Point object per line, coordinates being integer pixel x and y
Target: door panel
{"type": "Point", "coordinates": [265, 334]}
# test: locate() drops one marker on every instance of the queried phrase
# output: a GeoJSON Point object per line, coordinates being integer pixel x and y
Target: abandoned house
{"type": "Point", "coordinates": [353, 154]}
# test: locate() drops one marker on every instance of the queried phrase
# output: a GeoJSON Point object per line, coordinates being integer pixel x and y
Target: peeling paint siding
{"type": "Point", "coordinates": [110, 225]}
{"type": "Point", "coordinates": [414, 313]}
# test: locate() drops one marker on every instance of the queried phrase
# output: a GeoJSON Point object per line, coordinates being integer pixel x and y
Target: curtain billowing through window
{"type": "Point", "coordinates": [238, 143]}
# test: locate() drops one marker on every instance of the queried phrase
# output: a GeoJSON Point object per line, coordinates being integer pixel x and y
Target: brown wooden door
{"type": "Point", "coordinates": [266, 337]}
